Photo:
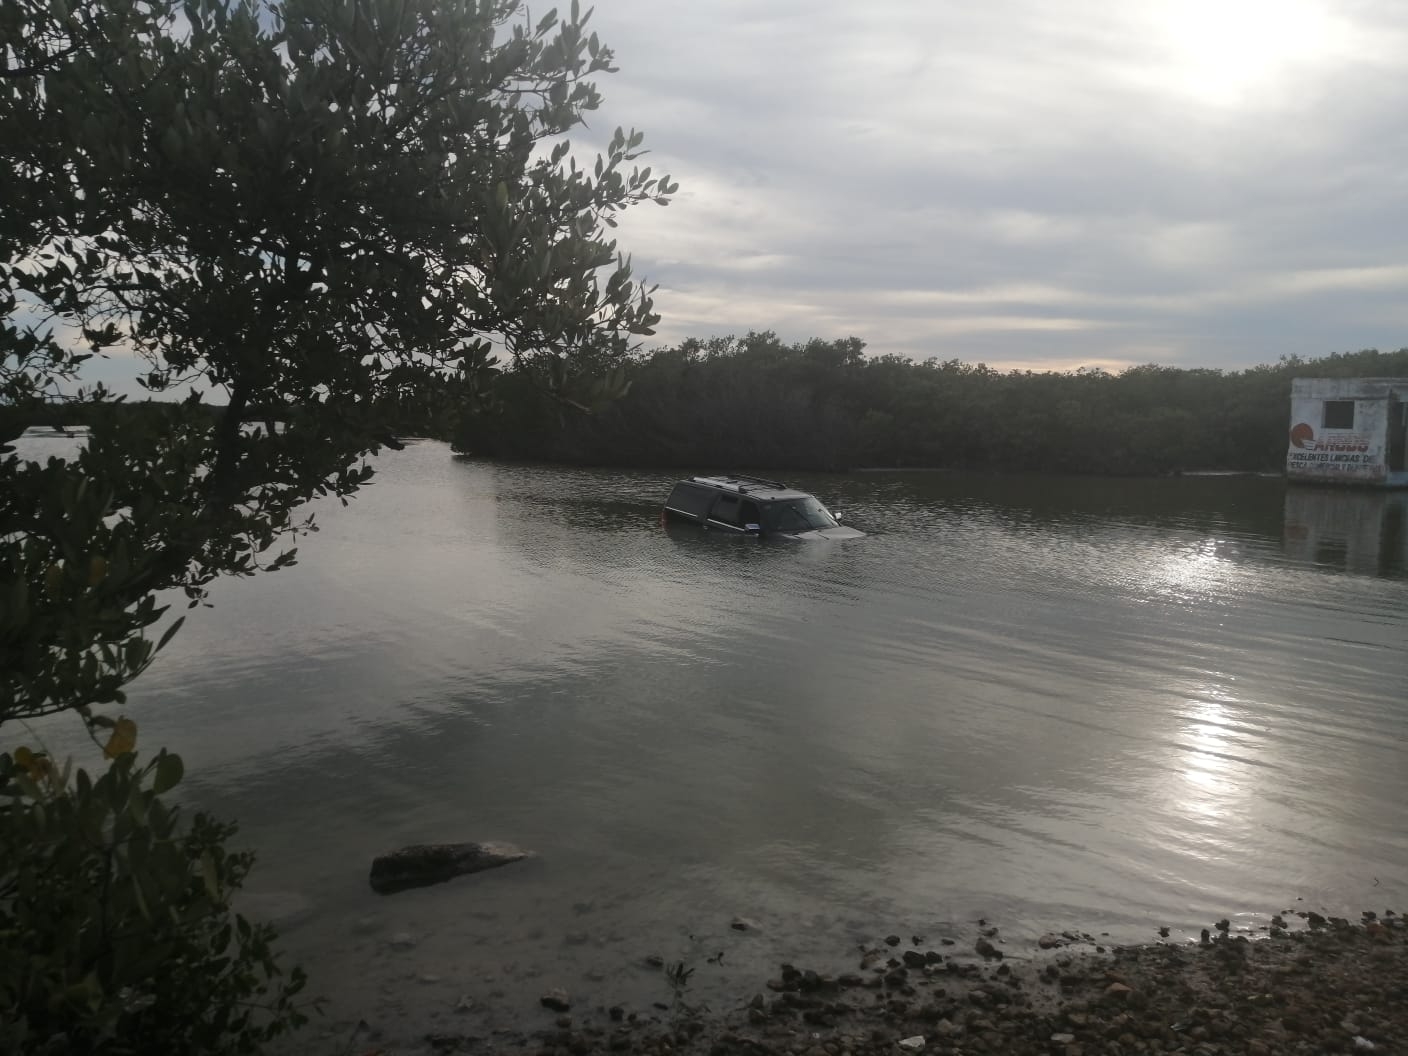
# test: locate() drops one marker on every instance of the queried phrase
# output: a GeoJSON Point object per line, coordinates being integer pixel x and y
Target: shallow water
{"type": "Point", "coordinates": [1052, 703]}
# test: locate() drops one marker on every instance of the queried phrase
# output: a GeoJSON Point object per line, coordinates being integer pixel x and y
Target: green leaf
{"type": "Point", "coordinates": [169, 771]}
{"type": "Point", "coordinates": [140, 897]}
{"type": "Point", "coordinates": [170, 631]}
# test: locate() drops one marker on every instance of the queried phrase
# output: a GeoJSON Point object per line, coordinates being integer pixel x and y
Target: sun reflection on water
{"type": "Point", "coordinates": [1198, 571]}
{"type": "Point", "coordinates": [1212, 784]}
{"type": "Point", "coordinates": [1209, 786]}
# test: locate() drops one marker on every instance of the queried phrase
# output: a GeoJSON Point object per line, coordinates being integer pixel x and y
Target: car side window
{"type": "Point", "coordinates": [725, 510]}
{"type": "Point", "coordinates": [750, 515]}
{"type": "Point", "coordinates": [690, 500]}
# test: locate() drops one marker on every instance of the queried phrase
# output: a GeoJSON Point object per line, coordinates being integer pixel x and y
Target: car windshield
{"type": "Point", "coordinates": [797, 515]}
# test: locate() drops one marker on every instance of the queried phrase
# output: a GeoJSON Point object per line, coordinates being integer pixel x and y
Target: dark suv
{"type": "Point", "coordinates": [753, 506]}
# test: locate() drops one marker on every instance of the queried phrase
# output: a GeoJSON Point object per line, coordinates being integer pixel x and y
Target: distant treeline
{"type": "Point", "coordinates": [401, 416]}
{"type": "Point", "coordinates": [66, 413]}
{"type": "Point", "coordinates": [757, 402]}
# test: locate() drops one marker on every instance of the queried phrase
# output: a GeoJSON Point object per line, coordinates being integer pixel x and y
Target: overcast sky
{"type": "Point", "coordinates": [1022, 182]}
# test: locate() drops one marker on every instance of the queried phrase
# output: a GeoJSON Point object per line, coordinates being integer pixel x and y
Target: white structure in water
{"type": "Point", "coordinates": [1349, 431]}
{"type": "Point", "coordinates": [1362, 530]}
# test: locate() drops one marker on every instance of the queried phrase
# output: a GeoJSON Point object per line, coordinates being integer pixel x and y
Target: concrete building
{"type": "Point", "coordinates": [1349, 431]}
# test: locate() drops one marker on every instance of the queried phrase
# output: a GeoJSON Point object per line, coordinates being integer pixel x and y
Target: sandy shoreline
{"type": "Point", "coordinates": [1302, 984]}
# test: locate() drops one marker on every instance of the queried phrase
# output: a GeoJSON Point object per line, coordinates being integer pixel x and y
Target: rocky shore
{"type": "Point", "coordinates": [1301, 984]}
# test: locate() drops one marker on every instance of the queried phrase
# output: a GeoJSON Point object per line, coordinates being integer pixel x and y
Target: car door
{"type": "Point", "coordinates": [724, 514]}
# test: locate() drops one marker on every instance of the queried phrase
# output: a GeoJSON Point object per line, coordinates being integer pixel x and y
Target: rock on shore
{"type": "Point", "coordinates": [434, 863]}
{"type": "Point", "coordinates": [1333, 987]}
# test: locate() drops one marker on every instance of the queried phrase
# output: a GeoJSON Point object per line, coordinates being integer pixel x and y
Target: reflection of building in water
{"type": "Point", "coordinates": [1360, 531]}
{"type": "Point", "coordinates": [1349, 431]}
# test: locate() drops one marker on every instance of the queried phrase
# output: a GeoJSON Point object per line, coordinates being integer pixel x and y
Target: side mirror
{"type": "Point", "coordinates": [837, 515]}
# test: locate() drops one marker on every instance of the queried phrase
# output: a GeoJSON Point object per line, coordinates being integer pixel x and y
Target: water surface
{"type": "Point", "coordinates": [1094, 704]}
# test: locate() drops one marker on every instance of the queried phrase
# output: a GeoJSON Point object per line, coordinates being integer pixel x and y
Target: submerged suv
{"type": "Point", "coordinates": [753, 506]}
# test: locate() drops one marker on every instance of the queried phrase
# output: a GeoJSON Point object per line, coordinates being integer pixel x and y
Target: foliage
{"type": "Point", "coordinates": [115, 918]}
{"type": "Point", "coordinates": [760, 403]}
{"type": "Point", "coordinates": [323, 217]}
{"type": "Point", "coordinates": [739, 402]}
{"type": "Point", "coordinates": [677, 976]}
{"type": "Point", "coordinates": [316, 221]}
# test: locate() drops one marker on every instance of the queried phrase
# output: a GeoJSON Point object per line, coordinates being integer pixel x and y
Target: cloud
{"type": "Point", "coordinates": [1208, 184]}
{"type": "Point", "coordinates": [1193, 182]}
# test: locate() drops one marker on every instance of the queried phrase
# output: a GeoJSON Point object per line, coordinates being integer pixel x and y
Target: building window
{"type": "Point", "coordinates": [1339, 414]}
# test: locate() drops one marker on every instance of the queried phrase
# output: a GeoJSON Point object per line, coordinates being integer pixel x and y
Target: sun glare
{"type": "Point", "coordinates": [1224, 51]}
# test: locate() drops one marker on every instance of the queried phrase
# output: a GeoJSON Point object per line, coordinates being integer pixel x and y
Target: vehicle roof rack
{"type": "Point", "coordinates": [756, 480]}
{"type": "Point", "coordinates": [739, 482]}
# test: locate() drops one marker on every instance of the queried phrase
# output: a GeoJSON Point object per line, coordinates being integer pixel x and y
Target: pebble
{"type": "Point", "coordinates": [555, 999]}
{"type": "Point", "coordinates": [1331, 989]}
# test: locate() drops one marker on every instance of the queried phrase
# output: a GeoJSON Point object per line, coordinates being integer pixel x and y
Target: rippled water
{"type": "Point", "coordinates": [1107, 705]}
